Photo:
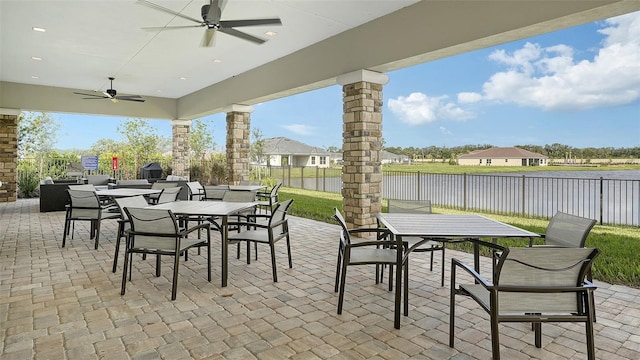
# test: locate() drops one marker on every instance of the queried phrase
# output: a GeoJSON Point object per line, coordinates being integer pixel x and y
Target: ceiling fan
{"type": "Point", "coordinates": [211, 14]}
{"type": "Point", "coordinates": [112, 95]}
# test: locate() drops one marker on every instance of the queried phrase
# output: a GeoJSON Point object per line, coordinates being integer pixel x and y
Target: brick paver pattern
{"type": "Point", "coordinates": [65, 303]}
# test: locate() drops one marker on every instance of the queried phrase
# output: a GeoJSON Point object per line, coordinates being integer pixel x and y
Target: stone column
{"type": "Point", "coordinates": [9, 154]}
{"type": "Point", "coordinates": [362, 146]}
{"type": "Point", "coordinates": [238, 142]}
{"type": "Point", "coordinates": [181, 152]}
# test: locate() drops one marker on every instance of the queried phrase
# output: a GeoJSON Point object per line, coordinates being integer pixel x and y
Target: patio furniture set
{"type": "Point", "coordinates": [533, 284]}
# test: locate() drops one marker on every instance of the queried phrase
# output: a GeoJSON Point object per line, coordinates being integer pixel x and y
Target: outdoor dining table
{"type": "Point", "coordinates": [455, 227]}
{"type": "Point", "coordinates": [222, 209]}
{"type": "Point", "coordinates": [126, 192]}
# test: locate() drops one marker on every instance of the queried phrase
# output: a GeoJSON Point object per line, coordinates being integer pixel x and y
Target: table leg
{"type": "Point", "coordinates": [476, 256]}
{"type": "Point", "coordinates": [399, 269]}
{"type": "Point", "coordinates": [225, 250]}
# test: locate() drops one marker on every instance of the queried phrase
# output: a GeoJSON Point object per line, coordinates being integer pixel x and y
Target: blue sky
{"type": "Point", "coordinates": [579, 87]}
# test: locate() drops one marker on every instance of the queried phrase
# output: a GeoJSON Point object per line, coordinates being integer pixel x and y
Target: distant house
{"type": "Point", "coordinates": [386, 158]}
{"type": "Point", "coordinates": [508, 156]}
{"type": "Point", "coordinates": [282, 151]}
{"type": "Point", "coordinates": [391, 158]}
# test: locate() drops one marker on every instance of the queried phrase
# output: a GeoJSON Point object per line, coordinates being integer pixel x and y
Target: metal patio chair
{"type": "Point", "coordinates": [156, 231]}
{"type": "Point", "coordinates": [85, 206]}
{"type": "Point", "coordinates": [530, 284]}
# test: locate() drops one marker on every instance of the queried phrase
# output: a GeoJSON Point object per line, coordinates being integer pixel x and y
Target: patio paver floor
{"type": "Point", "coordinates": [65, 303]}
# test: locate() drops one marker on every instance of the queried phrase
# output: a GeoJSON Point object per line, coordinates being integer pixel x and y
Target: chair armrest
{"type": "Point", "coordinates": [455, 263]}
{"type": "Point", "coordinates": [184, 232]}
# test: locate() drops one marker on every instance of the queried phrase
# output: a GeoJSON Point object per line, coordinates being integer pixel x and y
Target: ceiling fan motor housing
{"type": "Point", "coordinates": [111, 92]}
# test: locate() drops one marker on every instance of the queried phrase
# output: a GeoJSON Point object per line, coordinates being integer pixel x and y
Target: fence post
{"type": "Point", "coordinates": [601, 198]}
{"type": "Point", "coordinates": [523, 196]}
{"type": "Point", "coordinates": [419, 186]}
{"type": "Point", "coordinates": [317, 178]}
{"type": "Point", "coordinates": [464, 192]}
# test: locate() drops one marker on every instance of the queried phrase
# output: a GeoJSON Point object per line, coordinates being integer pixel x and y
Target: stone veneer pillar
{"type": "Point", "coordinates": [9, 154]}
{"type": "Point", "coordinates": [238, 142]}
{"type": "Point", "coordinates": [362, 146]}
{"type": "Point", "coordinates": [181, 151]}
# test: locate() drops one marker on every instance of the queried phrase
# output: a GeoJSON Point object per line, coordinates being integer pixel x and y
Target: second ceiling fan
{"type": "Point", "coordinates": [211, 15]}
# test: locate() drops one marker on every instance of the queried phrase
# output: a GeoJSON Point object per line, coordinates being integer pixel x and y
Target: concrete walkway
{"type": "Point", "coordinates": [65, 303]}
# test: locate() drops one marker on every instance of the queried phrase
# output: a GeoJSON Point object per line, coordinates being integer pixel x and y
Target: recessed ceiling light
{"type": "Point", "coordinates": [271, 33]}
{"type": "Point", "coordinates": [217, 60]}
{"type": "Point", "coordinates": [35, 28]}
{"type": "Point", "coordinates": [159, 90]}
{"type": "Point", "coordinates": [36, 58]}
{"type": "Point", "coordinates": [183, 78]}
{"type": "Point", "coordinates": [35, 77]}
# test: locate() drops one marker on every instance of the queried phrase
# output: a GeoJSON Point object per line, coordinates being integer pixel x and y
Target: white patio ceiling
{"type": "Point", "coordinates": [87, 41]}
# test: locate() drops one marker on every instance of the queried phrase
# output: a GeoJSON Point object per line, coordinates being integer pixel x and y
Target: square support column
{"type": "Point", "coordinates": [181, 130]}
{"type": "Point", "coordinates": [238, 142]}
{"type": "Point", "coordinates": [362, 146]}
{"type": "Point", "coordinates": [9, 154]}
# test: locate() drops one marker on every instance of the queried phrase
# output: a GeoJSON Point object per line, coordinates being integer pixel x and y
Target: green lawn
{"type": "Point", "coordinates": [618, 263]}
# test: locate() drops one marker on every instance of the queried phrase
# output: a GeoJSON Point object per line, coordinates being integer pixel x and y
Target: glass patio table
{"type": "Point", "coordinates": [455, 227]}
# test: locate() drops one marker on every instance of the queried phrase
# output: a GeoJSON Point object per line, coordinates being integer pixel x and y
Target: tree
{"type": "Point", "coordinates": [37, 134]}
{"type": "Point", "coordinates": [257, 148]}
{"type": "Point", "coordinates": [200, 140]}
{"type": "Point", "coordinates": [142, 140]}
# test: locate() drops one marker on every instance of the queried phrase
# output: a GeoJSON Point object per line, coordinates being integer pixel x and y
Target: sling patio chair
{"type": "Point", "coordinates": [377, 251]}
{"type": "Point", "coordinates": [214, 192]}
{"type": "Point", "coordinates": [156, 231]}
{"type": "Point", "coordinates": [123, 223]}
{"type": "Point", "coordinates": [196, 191]}
{"type": "Point", "coordinates": [533, 285]}
{"type": "Point", "coordinates": [276, 229]}
{"type": "Point", "coordinates": [85, 206]}
{"type": "Point", "coordinates": [432, 245]}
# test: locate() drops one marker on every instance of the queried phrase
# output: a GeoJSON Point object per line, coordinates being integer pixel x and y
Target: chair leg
{"type": "Point", "coordinates": [115, 255]}
{"type": "Point", "coordinates": [338, 265]}
{"type": "Point", "coordinates": [442, 274]}
{"type": "Point", "coordinates": [289, 251]}
{"type": "Point", "coordinates": [158, 271]}
{"type": "Point", "coordinates": [452, 307]}
{"type": "Point", "coordinates": [174, 285]}
{"type": "Point", "coordinates": [124, 272]}
{"type": "Point", "coordinates": [97, 230]}
{"type": "Point", "coordinates": [537, 329]}
{"type": "Point", "coordinates": [66, 231]}
{"type": "Point", "coordinates": [406, 286]}
{"type": "Point", "coordinates": [343, 277]}
{"type": "Point", "coordinates": [431, 261]}
{"type": "Point", "coordinates": [273, 261]}
{"type": "Point", "coordinates": [589, 328]}
{"type": "Point", "coordinates": [495, 338]}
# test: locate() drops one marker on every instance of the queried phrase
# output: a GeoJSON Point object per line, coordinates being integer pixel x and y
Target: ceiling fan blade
{"type": "Point", "coordinates": [158, 28]}
{"type": "Point", "coordinates": [249, 22]}
{"type": "Point", "coordinates": [208, 39]}
{"type": "Point", "coordinates": [94, 95]}
{"type": "Point", "coordinates": [242, 35]}
{"type": "Point", "coordinates": [107, 95]}
{"type": "Point", "coordinates": [168, 11]}
{"type": "Point", "coordinates": [130, 99]}
{"type": "Point", "coordinates": [95, 98]}
{"type": "Point", "coordinates": [113, 100]}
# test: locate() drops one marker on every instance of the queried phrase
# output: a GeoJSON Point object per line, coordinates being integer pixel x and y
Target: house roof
{"type": "Point", "coordinates": [283, 145]}
{"type": "Point", "coordinates": [502, 152]}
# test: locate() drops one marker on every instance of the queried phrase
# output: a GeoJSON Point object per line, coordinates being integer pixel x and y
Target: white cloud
{"type": "Point", "coordinates": [550, 78]}
{"type": "Point", "coordinates": [300, 129]}
{"type": "Point", "coordinates": [469, 97]}
{"type": "Point", "coordinates": [418, 108]}
{"type": "Point", "coordinates": [444, 130]}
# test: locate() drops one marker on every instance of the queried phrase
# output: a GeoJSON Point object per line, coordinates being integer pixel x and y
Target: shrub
{"type": "Point", "coordinates": [28, 184]}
